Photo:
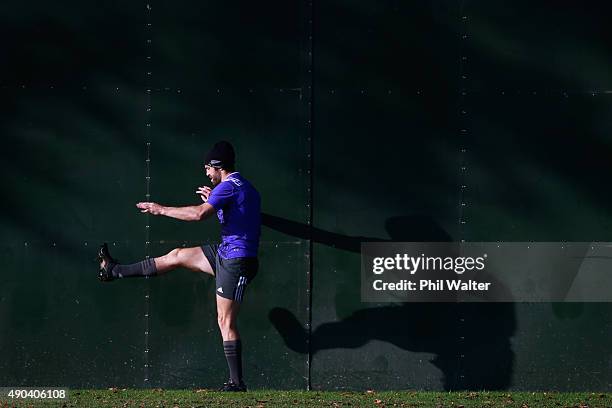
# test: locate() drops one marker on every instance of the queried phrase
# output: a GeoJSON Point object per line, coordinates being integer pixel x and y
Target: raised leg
{"type": "Point", "coordinates": [188, 258]}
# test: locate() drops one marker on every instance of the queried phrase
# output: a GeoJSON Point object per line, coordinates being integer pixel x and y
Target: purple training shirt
{"type": "Point", "coordinates": [238, 209]}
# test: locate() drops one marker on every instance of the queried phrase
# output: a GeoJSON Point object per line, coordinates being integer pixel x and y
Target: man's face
{"type": "Point", "coordinates": [213, 174]}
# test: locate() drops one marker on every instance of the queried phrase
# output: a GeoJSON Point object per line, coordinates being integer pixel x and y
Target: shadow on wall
{"type": "Point", "coordinates": [471, 341]}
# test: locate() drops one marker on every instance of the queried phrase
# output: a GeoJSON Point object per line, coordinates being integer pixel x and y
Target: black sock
{"type": "Point", "coordinates": [233, 354]}
{"type": "Point", "coordinates": [142, 268]}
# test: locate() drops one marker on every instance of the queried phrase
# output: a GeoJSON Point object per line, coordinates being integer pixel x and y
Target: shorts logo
{"type": "Point", "coordinates": [220, 289]}
{"type": "Point", "coordinates": [242, 281]}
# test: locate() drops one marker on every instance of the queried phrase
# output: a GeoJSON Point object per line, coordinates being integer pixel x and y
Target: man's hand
{"type": "Point", "coordinates": [204, 192]}
{"type": "Point", "coordinates": [151, 208]}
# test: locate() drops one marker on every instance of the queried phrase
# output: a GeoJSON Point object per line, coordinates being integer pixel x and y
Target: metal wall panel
{"type": "Point", "coordinates": [491, 142]}
{"type": "Point", "coordinates": [102, 106]}
{"type": "Point", "coordinates": [427, 121]}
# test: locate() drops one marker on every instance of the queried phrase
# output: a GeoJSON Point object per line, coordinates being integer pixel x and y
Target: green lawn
{"type": "Point", "coordinates": [262, 398]}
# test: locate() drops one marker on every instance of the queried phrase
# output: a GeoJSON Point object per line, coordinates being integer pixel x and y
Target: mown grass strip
{"type": "Point", "coordinates": [268, 398]}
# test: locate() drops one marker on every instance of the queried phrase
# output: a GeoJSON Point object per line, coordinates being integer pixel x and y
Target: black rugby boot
{"type": "Point", "coordinates": [231, 386]}
{"type": "Point", "coordinates": [106, 273]}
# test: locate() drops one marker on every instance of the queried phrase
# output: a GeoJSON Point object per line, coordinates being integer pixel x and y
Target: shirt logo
{"type": "Point", "coordinates": [220, 289]}
{"type": "Point", "coordinates": [235, 181]}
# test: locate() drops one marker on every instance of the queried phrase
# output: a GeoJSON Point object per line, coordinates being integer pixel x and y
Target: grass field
{"type": "Point", "coordinates": [261, 399]}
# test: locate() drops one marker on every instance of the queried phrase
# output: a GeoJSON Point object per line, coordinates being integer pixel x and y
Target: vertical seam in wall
{"type": "Point", "coordinates": [463, 171]}
{"type": "Point", "coordinates": [310, 172]}
{"type": "Point", "coordinates": [148, 113]}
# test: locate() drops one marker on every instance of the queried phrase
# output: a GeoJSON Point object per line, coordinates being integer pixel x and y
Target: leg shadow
{"type": "Point", "coordinates": [470, 341]}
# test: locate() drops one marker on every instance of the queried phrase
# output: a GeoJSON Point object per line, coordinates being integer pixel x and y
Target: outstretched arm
{"type": "Point", "coordinates": [190, 213]}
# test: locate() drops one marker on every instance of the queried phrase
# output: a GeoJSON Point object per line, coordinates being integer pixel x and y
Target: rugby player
{"type": "Point", "coordinates": [233, 262]}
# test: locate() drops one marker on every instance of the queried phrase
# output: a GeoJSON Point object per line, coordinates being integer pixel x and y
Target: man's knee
{"type": "Point", "coordinates": [223, 320]}
{"type": "Point", "coordinates": [226, 321]}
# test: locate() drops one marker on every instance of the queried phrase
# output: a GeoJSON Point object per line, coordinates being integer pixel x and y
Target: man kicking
{"type": "Point", "coordinates": [233, 263]}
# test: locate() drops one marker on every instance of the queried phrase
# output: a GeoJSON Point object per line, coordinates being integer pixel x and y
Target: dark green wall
{"type": "Point", "coordinates": [409, 121]}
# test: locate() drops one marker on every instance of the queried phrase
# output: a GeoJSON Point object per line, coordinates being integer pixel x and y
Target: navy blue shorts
{"type": "Point", "coordinates": [231, 275]}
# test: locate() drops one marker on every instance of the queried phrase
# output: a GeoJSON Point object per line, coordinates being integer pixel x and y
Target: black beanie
{"type": "Point", "coordinates": [221, 155]}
